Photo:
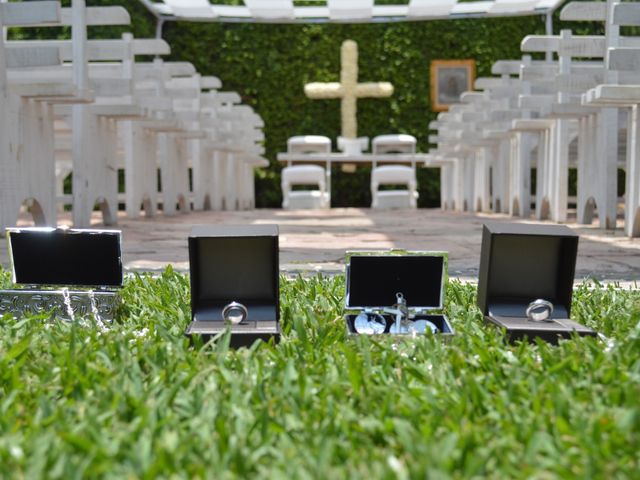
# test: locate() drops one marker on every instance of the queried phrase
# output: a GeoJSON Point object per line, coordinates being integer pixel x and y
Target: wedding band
{"type": "Point", "coordinates": [234, 313]}
{"type": "Point", "coordinates": [539, 310]}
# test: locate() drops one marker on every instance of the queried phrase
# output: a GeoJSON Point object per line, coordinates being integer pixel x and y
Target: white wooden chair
{"type": "Point", "coordinates": [155, 142]}
{"type": "Point", "coordinates": [32, 93]}
{"type": "Point", "coordinates": [393, 174]}
{"type": "Point", "coordinates": [296, 175]}
{"type": "Point", "coordinates": [26, 125]}
{"type": "Point", "coordinates": [621, 89]}
{"type": "Point", "coordinates": [233, 144]}
{"type": "Point", "coordinates": [191, 111]}
{"type": "Point", "coordinates": [250, 155]}
{"type": "Point", "coordinates": [173, 158]}
{"type": "Point", "coordinates": [86, 138]}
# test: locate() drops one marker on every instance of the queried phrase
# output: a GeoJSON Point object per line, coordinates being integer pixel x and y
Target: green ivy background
{"type": "Point", "coordinates": [268, 65]}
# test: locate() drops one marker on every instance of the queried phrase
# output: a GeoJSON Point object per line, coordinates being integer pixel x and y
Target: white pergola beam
{"type": "Point", "coordinates": [466, 8]}
{"type": "Point", "coordinates": [350, 10]}
{"type": "Point", "coordinates": [271, 9]}
{"type": "Point", "coordinates": [512, 6]}
{"type": "Point", "coordinates": [191, 8]}
{"type": "Point", "coordinates": [284, 11]}
{"type": "Point", "coordinates": [429, 8]}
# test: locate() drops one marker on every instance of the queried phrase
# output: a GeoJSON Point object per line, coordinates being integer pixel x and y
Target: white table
{"type": "Point", "coordinates": [359, 159]}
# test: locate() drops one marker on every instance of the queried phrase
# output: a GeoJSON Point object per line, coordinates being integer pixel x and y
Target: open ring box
{"type": "Point", "coordinates": [374, 278]}
{"type": "Point", "coordinates": [235, 263]}
{"type": "Point", "coordinates": [69, 273]}
{"type": "Point", "coordinates": [521, 263]}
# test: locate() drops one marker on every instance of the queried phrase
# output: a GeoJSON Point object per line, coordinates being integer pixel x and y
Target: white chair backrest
{"type": "Point", "coordinates": [392, 174]}
{"type": "Point", "coordinates": [397, 198]}
{"type": "Point", "coordinates": [304, 175]}
{"type": "Point", "coordinates": [309, 144]}
{"type": "Point", "coordinates": [397, 143]}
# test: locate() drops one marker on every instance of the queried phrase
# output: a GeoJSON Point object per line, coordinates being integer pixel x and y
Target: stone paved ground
{"type": "Point", "coordinates": [317, 240]}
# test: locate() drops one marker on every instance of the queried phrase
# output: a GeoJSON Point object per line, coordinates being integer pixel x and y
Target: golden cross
{"type": "Point", "coordinates": [348, 89]}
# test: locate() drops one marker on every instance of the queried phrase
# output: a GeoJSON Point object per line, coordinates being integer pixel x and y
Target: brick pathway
{"type": "Point", "coordinates": [317, 240]}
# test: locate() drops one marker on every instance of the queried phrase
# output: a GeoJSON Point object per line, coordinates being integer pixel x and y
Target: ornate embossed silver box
{"type": "Point", "coordinates": [396, 292]}
{"type": "Point", "coordinates": [67, 273]}
{"type": "Point", "coordinates": [234, 273]}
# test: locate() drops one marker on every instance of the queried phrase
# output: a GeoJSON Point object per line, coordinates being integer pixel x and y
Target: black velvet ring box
{"type": "Point", "coordinates": [375, 278]}
{"type": "Point", "coordinates": [69, 273]}
{"type": "Point", "coordinates": [521, 263]}
{"type": "Point", "coordinates": [235, 263]}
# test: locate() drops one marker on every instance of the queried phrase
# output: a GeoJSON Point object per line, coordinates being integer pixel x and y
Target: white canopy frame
{"type": "Point", "coordinates": [343, 11]}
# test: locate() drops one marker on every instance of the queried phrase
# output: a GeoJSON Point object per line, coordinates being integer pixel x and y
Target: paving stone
{"type": "Point", "coordinates": [316, 241]}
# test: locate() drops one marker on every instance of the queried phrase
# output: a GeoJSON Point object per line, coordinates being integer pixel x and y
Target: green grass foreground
{"type": "Point", "coordinates": [138, 401]}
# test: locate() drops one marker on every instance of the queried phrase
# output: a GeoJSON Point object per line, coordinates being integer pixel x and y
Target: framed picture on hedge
{"type": "Point", "coordinates": [449, 78]}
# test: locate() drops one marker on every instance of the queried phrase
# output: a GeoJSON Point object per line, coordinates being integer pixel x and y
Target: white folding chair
{"type": "Point", "coordinates": [394, 174]}
{"type": "Point", "coordinates": [298, 175]}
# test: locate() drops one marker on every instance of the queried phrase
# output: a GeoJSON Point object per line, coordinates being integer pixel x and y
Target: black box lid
{"type": "Point", "coordinates": [74, 257]}
{"type": "Point", "coordinates": [374, 278]}
{"type": "Point", "coordinates": [234, 263]}
{"type": "Point", "coordinates": [520, 263]}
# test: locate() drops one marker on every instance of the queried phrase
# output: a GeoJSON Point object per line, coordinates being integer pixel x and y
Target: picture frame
{"type": "Point", "coordinates": [449, 78]}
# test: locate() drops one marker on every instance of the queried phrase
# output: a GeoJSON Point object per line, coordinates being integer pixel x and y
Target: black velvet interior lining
{"type": "Point", "coordinates": [531, 267]}
{"type": "Point", "coordinates": [256, 312]}
{"type": "Point", "coordinates": [373, 281]}
{"type": "Point", "coordinates": [67, 258]}
{"type": "Point", "coordinates": [238, 269]}
{"type": "Point", "coordinates": [517, 307]}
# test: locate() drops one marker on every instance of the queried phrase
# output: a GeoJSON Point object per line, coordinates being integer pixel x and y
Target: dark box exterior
{"type": "Point", "coordinates": [520, 263]}
{"type": "Point", "coordinates": [58, 270]}
{"type": "Point", "coordinates": [235, 264]}
{"type": "Point", "coordinates": [374, 277]}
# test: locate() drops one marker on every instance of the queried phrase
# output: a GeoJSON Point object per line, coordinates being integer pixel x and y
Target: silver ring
{"type": "Point", "coordinates": [539, 310]}
{"type": "Point", "coordinates": [235, 313]}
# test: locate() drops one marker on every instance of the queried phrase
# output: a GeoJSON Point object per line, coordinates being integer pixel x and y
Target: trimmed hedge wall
{"type": "Point", "coordinates": [269, 64]}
